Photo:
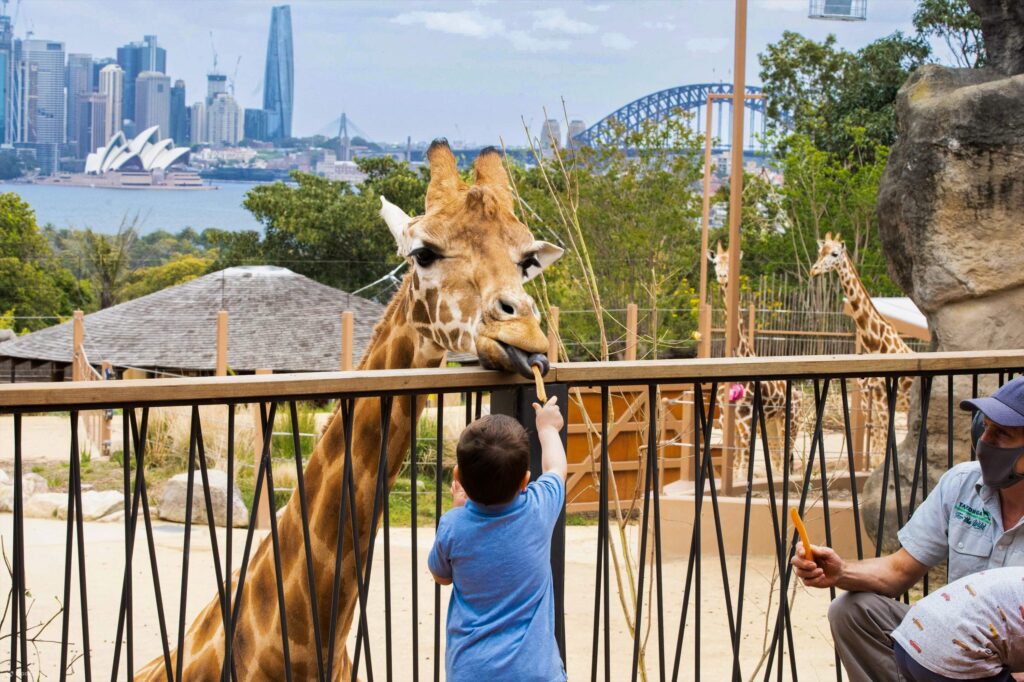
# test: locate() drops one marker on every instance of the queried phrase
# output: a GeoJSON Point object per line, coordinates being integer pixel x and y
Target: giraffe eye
{"type": "Point", "coordinates": [425, 257]}
{"type": "Point", "coordinates": [527, 263]}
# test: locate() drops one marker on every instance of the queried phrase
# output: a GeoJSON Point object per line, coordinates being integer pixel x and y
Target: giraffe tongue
{"type": "Point", "coordinates": [522, 362]}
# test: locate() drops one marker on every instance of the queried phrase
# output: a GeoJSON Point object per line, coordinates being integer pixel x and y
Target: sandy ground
{"type": "Point", "coordinates": [105, 568]}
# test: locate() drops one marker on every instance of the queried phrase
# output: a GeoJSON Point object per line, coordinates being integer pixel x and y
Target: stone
{"type": "Point", "coordinates": [4, 478]}
{"type": "Point", "coordinates": [949, 207]}
{"type": "Point", "coordinates": [173, 498]}
{"type": "Point", "coordinates": [31, 484]}
{"type": "Point", "coordinates": [47, 506]}
{"type": "Point", "coordinates": [98, 503]}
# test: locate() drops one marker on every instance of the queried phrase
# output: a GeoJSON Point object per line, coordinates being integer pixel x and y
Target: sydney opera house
{"type": "Point", "coordinates": [145, 152]}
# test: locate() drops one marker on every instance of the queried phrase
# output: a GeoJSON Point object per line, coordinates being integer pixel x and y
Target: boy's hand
{"type": "Point", "coordinates": [459, 496]}
{"type": "Point", "coordinates": [549, 416]}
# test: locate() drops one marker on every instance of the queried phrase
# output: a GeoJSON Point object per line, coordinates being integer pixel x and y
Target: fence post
{"type": "Point", "coordinates": [264, 511]}
{"type": "Point", "coordinates": [222, 343]}
{"type": "Point", "coordinates": [347, 324]}
{"type": "Point", "coordinates": [553, 334]}
{"type": "Point", "coordinates": [704, 329]}
{"type": "Point", "coordinates": [518, 403]}
{"type": "Point", "coordinates": [750, 328]}
{"type": "Point", "coordinates": [631, 324]}
{"type": "Point", "coordinates": [106, 371]}
{"type": "Point", "coordinates": [78, 372]}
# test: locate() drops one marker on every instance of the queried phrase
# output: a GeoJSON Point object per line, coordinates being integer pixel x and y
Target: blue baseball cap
{"type": "Point", "coordinates": [1005, 407]}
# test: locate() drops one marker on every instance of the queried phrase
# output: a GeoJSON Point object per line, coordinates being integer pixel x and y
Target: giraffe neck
{"type": "Point", "coordinates": [877, 333]}
{"type": "Point", "coordinates": [743, 349]}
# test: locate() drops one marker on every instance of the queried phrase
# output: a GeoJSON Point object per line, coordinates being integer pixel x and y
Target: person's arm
{"type": "Point", "coordinates": [890, 575]}
{"type": "Point", "coordinates": [549, 427]}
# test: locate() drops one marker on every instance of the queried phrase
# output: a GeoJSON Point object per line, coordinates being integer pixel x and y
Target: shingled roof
{"type": "Point", "coordinates": [277, 319]}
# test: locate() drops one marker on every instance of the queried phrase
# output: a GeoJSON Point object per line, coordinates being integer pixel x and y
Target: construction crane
{"type": "Point", "coordinates": [213, 48]}
{"type": "Point", "coordinates": [234, 75]}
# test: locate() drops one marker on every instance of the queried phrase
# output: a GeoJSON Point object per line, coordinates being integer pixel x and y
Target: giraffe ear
{"type": "Point", "coordinates": [828, 236]}
{"type": "Point", "coordinates": [839, 237]}
{"type": "Point", "coordinates": [397, 221]}
{"type": "Point", "coordinates": [490, 172]}
{"type": "Point", "coordinates": [444, 174]}
{"type": "Point", "coordinates": [546, 254]}
{"type": "Point", "coordinates": [712, 256]}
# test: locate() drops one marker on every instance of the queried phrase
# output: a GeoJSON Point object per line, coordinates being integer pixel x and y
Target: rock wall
{"type": "Point", "coordinates": [951, 219]}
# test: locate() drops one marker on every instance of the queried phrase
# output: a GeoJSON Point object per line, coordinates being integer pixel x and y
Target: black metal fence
{"type": "Point", "coordinates": [628, 608]}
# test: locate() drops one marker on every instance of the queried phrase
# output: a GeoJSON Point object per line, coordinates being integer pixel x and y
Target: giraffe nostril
{"type": "Point", "coordinates": [506, 308]}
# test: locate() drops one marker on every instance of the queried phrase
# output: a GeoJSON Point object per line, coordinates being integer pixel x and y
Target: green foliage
{"type": "Point", "coordinates": [11, 165]}
{"type": "Point", "coordinates": [830, 92]}
{"type": "Point", "coordinates": [107, 258]}
{"type": "Point", "coordinates": [636, 208]}
{"type": "Point", "coordinates": [329, 231]}
{"type": "Point", "coordinates": [953, 22]}
{"type": "Point", "coordinates": [178, 270]}
{"type": "Point", "coordinates": [32, 283]}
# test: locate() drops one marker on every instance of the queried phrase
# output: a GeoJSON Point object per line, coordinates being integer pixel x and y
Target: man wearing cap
{"type": "Point", "coordinates": [974, 518]}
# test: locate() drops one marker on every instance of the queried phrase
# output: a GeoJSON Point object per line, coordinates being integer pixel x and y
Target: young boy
{"type": "Point", "coordinates": [971, 629]}
{"type": "Point", "coordinates": [495, 548]}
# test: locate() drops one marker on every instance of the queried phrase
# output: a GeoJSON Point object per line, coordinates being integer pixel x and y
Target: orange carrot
{"type": "Point", "coordinates": [799, 525]}
{"type": "Point", "coordinates": [539, 379]}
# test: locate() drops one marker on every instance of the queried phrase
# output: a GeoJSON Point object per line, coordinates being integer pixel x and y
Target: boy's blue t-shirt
{"type": "Point", "coordinates": [501, 615]}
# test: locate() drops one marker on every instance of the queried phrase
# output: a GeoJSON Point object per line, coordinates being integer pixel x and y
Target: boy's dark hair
{"type": "Point", "coordinates": [493, 455]}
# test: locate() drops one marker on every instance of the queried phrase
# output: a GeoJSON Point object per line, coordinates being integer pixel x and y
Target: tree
{"type": "Point", "coordinates": [108, 259]}
{"type": "Point", "coordinates": [327, 230]}
{"type": "Point", "coordinates": [828, 91]}
{"type": "Point", "coordinates": [32, 284]}
{"type": "Point", "coordinates": [953, 22]}
{"type": "Point", "coordinates": [11, 166]}
{"type": "Point", "coordinates": [181, 269]}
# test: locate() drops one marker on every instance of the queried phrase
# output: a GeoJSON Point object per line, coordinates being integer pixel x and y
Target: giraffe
{"type": "Point", "coordinates": [773, 393]}
{"type": "Point", "coordinates": [877, 335]}
{"type": "Point", "coordinates": [469, 258]}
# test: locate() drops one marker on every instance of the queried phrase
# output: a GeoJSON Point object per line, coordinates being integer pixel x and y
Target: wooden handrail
{"type": "Point", "coordinates": [142, 392]}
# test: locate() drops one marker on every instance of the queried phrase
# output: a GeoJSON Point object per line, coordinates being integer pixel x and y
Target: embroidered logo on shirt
{"type": "Point", "coordinates": [978, 519]}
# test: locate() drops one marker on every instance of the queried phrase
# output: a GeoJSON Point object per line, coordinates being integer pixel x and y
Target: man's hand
{"type": "Point", "coordinates": [826, 569]}
{"type": "Point", "coordinates": [459, 496]}
{"type": "Point", "coordinates": [549, 416]}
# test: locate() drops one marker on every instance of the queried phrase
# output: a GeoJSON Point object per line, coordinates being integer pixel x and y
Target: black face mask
{"type": "Point", "coordinates": [997, 465]}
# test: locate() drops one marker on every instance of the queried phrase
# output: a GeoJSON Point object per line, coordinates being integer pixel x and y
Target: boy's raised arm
{"type": "Point", "coordinates": [549, 427]}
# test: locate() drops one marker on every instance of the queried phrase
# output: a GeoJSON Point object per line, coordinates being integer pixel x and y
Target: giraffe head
{"type": "Point", "coordinates": [470, 257]}
{"type": "Point", "coordinates": [720, 259]}
{"type": "Point", "coordinates": [831, 254]}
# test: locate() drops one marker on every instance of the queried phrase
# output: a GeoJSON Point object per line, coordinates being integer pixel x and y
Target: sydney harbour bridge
{"type": "Point", "coordinates": [690, 100]}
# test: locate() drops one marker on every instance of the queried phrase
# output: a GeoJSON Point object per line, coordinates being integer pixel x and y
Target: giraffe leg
{"type": "Point", "coordinates": [742, 444]}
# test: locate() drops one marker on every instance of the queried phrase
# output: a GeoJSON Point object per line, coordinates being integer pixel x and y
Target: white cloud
{"type": "Point", "coordinates": [558, 21]}
{"type": "Point", "coordinates": [781, 5]}
{"type": "Point", "coordinates": [660, 25]}
{"type": "Point", "coordinates": [711, 45]}
{"type": "Point", "coordinates": [617, 41]}
{"type": "Point", "coordinates": [603, 7]}
{"type": "Point", "coordinates": [525, 42]}
{"type": "Point", "coordinates": [472, 24]}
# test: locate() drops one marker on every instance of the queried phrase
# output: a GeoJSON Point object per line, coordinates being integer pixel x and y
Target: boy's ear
{"type": "Point", "coordinates": [455, 473]}
{"type": "Point", "coordinates": [526, 481]}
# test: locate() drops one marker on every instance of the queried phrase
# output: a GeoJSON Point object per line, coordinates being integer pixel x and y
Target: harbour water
{"type": "Point", "coordinates": [103, 209]}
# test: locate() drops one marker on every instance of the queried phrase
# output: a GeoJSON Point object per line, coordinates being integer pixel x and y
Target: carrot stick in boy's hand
{"type": "Point", "coordinates": [799, 525]}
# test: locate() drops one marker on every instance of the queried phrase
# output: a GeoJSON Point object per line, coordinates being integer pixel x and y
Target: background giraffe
{"type": "Point", "coordinates": [877, 335]}
{"type": "Point", "coordinates": [773, 393]}
{"type": "Point", "coordinates": [469, 258]}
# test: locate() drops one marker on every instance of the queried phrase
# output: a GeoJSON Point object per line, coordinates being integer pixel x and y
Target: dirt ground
{"type": "Point", "coordinates": [105, 567]}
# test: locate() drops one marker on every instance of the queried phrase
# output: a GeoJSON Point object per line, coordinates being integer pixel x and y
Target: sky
{"type": "Point", "coordinates": [472, 70]}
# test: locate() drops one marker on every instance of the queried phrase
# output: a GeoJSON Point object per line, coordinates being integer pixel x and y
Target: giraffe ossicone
{"type": "Point", "coordinates": [469, 257]}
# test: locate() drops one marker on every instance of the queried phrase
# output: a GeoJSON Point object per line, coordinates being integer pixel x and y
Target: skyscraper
{"type": "Point", "coordinates": [225, 122]}
{"type": "Point", "coordinates": [255, 124]}
{"type": "Point", "coordinates": [92, 117]}
{"type": "Point", "coordinates": [179, 120]}
{"type": "Point", "coordinates": [111, 86]}
{"type": "Point", "coordinates": [79, 83]}
{"type": "Point", "coordinates": [97, 66]}
{"type": "Point", "coordinates": [6, 79]}
{"type": "Point", "coordinates": [216, 84]}
{"type": "Point", "coordinates": [135, 58]}
{"type": "Point", "coordinates": [41, 91]}
{"type": "Point", "coordinates": [197, 133]}
{"type": "Point", "coordinates": [550, 137]}
{"type": "Point", "coordinates": [153, 102]}
{"type": "Point", "coordinates": [576, 126]}
{"type": "Point", "coordinates": [278, 79]}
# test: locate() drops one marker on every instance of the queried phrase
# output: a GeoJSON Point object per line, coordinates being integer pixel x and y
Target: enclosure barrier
{"type": "Point", "coordinates": [631, 622]}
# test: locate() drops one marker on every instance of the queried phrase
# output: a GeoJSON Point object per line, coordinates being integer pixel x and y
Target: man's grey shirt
{"type": "Point", "coordinates": [962, 520]}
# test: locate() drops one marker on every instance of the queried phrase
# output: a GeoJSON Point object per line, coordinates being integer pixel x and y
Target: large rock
{"type": "Point", "coordinates": [949, 210]}
{"type": "Point", "coordinates": [173, 500]}
{"type": "Point", "coordinates": [31, 484]}
{"type": "Point", "coordinates": [47, 506]}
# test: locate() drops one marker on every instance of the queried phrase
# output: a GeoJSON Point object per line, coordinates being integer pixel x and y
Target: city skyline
{"type": "Point", "coordinates": [465, 70]}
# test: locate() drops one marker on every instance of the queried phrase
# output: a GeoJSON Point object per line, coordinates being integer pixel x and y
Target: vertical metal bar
{"type": "Point", "coordinates": [438, 470]}
{"type": "Point", "coordinates": [306, 542]}
{"type": "Point", "coordinates": [66, 602]}
{"type": "Point", "coordinates": [413, 523]}
{"type": "Point", "coordinates": [601, 521]}
{"type": "Point", "coordinates": [642, 559]}
{"type": "Point", "coordinates": [186, 543]}
{"type": "Point", "coordinates": [129, 542]}
{"type": "Point", "coordinates": [828, 531]}
{"type": "Point", "coordinates": [949, 421]}
{"type": "Point", "coordinates": [387, 572]}
{"type": "Point", "coordinates": [347, 411]}
{"type": "Point", "coordinates": [228, 629]}
{"type": "Point", "coordinates": [851, 457]}
{"type": "Point", "coordinates": [652, 458]}
{"type": "Point", "coordinates": [18, 611]}
{"type": "Point", "coordinates": [211, 520]}
{"type": "Point", "coordinates": [82, 582]}
{"type": "Point", "coordinates": [974, 394]}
